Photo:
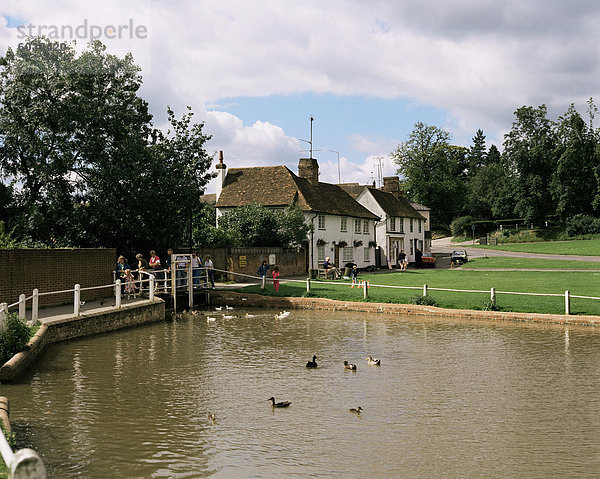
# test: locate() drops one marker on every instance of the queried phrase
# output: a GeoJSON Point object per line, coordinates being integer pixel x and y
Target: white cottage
{"type": "Point", "coordinates": [343, 229]}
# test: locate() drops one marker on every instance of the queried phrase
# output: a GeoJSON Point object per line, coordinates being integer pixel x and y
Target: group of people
{"type": "Point", "coordinates": [162, 272]}
{"type": "Point", "coordinates": [263, 270]}
{"type": "Point", "coordinates": [330, 268]}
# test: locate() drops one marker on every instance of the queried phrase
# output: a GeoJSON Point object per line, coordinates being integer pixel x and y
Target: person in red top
{"type": "Point", "coordinates": [155, 266]}
{"type": "Point", "coordinates": [275, 276]}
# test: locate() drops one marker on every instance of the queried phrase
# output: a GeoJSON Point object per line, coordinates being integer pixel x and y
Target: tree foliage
{"type": "Point", "coordinates": [92, 170]}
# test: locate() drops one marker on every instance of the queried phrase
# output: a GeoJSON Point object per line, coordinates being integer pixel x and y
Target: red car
{"type": "Point", "coordinates": [428, 259]}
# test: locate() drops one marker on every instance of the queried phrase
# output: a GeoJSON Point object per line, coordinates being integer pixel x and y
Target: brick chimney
{"type": "Point", "coordinates": [221, 174]}
{"type": "Point", "coordinates": [391, 184]}
{"type": "Point", "coordinates": [309, 168]}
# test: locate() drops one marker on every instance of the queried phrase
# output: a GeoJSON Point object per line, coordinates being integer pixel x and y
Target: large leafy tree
{"type": "Point", "coordinates": [529, 156]}
{"type": "Point", "coordinates": [92, 171]}
{"type": "Point", "coordinates": [432, 169]}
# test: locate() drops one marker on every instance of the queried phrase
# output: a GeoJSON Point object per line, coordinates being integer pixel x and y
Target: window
{"type": "Point", "coordinates": [411, 248]}
{"type": "Point", "coordinates": [411, 225]}
{"type": "Point", "coordinates": [420, 225]}
{"type": "Point", "coordinates": [366, 227]}
{"type": "Point", "coordinates": [344, 224]}
{"type": "Point", "coordinates": [347, 254]}
{"type": "Point", "coordinates": [357, 226]}
{"type": "Point", "coordinates": [421, 245]}
{"type": "Point", "coordinates": [320, 254]}
{"type": "Point", "coordinates": [321, 222]}
{"type": "Point", "coordinates": [392, 224]}
{"type": "Point", "coordinates": [366, 257]}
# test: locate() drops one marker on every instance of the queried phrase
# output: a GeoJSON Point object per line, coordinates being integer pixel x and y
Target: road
{"type": "Point", "coordinates": [444, 245]}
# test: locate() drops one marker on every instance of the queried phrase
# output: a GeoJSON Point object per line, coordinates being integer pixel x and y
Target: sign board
{"type": "Point", "coordinates": [272, 259]}
{"type": "Point", "coordinates": [242, 261]}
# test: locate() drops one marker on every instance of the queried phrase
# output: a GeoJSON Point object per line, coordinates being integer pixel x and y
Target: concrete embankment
{"type": "Point", "coordinates": [90, 324]}
{"type": "Point", "coordinates": [257, 300]}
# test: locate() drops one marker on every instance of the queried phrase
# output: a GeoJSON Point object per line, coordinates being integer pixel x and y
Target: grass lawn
{"type": "Point", "coordinates": [528, 263]}
{"type": "Point", "coordinates": [579, 283]}
{"type": "Point", "coordinates": [575, 247]}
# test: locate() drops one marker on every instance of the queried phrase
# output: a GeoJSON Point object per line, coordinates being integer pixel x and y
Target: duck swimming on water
{"type": "Point", "coordinates": [313, 363]}
{"type": "Point", "coordinates": [373, 362]}
{"type": "Point", "coordinates": [356, 410]}
{"type": "Point", "coordinates": [278, 404]}
{"type": "Point", "coordinates": [350, 366]}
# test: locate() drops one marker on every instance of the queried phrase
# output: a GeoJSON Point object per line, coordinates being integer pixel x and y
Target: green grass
{"type": "Point", "coordinates": [576, 247]}
{"type": "Point", "coordinates": [528, 263]}
{"type": "Point", "coordinates": [578, 283]}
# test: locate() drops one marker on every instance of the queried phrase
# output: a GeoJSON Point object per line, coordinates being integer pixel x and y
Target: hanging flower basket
{"type": "Point", "coordinates": [358, 243]}
{"type": "Point", "coordinates": [342, 244]}
{"type": "Point", "coordinates": [372, 244]}
{"type": "Point", "coordinates": [321, 242]}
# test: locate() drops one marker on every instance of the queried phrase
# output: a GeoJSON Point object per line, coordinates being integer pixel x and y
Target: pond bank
{"type": "Point", "coordinates": [257, 300]}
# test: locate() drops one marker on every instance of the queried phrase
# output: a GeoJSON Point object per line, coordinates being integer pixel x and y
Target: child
{"type": "Point", "coordinates": [129, 285]}
{"type": "Point", "coordinates": [354, 274]}
{"type": "Point", "coordinates": [275, 276]}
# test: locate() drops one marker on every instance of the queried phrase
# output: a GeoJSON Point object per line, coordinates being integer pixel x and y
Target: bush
{"type": "Point", "coordinates": [582, 225]}
{"type": "Point", "coordinates": [461, 226]}
{"type": "Point", "coordinates": [489, 306]}
{"type": "Point", "coordinates": [14, 338]}
{"type": "Point", "coordinates": [423, 301]}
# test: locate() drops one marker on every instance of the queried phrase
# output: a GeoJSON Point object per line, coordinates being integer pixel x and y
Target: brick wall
{"type": "Point", "coordinates": [22, 270]}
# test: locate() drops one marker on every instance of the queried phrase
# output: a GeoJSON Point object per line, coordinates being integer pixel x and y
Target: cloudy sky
{"type": "Point", "coordinates": [256, 71]}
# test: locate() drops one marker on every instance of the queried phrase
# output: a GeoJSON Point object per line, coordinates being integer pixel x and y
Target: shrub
{"type": "Point", "coordinates": [14, 338]}
{"type": "Point", "coordinates": [461, 226]}
{"type": "Point", "coordinates": [423, 301]}
{"type": "Point", "coordinates": [582, 225]}
{"type": "Point", "coordinates": [488, 305]}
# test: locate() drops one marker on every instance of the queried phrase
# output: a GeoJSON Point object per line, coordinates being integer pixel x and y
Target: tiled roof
{"type": "Point", "coordinates": [277, 186]}
{"type": "Point", "coordinates": [420, 207]}
{"type": "Point", "coordinates": [394, 206]}
{"type": "Point", "coordinates": [208, 198]}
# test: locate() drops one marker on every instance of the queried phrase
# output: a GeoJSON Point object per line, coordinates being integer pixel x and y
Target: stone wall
{"type": "Point", "coordinates": [22, 270]}
{"type": "Point", "coordinates": [75, 327]}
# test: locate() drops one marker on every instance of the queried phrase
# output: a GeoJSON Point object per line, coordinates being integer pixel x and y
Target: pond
{"type": "Point", "coordinates": [453, 399]}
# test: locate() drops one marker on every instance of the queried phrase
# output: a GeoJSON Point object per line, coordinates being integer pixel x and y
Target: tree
{"type": "Point", "coordinates": [576, 156]}
{"type": "Point", "coordinates": [432, 168]}
{"type": "Point", "coordinates": [477, 155]}
{"type": "Point", "coordinates": [529, 157]}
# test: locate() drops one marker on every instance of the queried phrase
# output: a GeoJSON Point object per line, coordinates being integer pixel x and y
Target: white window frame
{"type": "Point", "coordinates": [401, 223]}
{"type": "Point", "coordinates": [347, 254]}
{"type": "Point", "coordinates": [321, 222]}
{"type": "Point", "coordinates": [356, 226]}
{"type": "Point", "coordinates": [320, 254]}
{"type": "Point", "coordinates": [343, 224]}
{"type": "Point", "coordinates": [411, 225]}
{"type": "Point", "coordinates": [392, 223]}
{"type": "Point", "coordinates": [367, 255]}
{"type": "Point", "coordinates": [366, 227]}
{"type": "Point", "coordinates": [420, 225]}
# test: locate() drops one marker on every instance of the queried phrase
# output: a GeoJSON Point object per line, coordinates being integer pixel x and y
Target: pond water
{"type": "Point", "coordinates": [451, 399]}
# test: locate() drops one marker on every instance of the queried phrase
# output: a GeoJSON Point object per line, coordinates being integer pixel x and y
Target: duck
{"type": "Point", "coordinates": [356, 410]}
{"type": "Point", "coordinates": [212, 417]}
{"type": "Point", "coordinates": [210, 319]}
{"type": "Point", "coordinates": [283, 314]}
{"type": "Point", "coordinates": [218, 308]}
{"type": "Point", "coordinates": [373, 362]}
{"type": "Point", "coordinates": [313, 363]}
{"type": "Point", "coordinates": [248, 315]}
{"type": "Point", "coordinates": [350, 366]}
{"type": "Point", "coordinates": [228, 307]}
{"type": "Point", "coordinates": [228, 316]}
{"type": "Point", "coordinates": [278, 404]}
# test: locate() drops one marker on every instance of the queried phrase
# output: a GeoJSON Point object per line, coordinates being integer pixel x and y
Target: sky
{"type": "Point", "coordinates": [256, 71]}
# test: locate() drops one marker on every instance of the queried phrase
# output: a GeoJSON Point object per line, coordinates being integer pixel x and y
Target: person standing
{"type": "Point", "coordinates": [275, 276]}
{"type": "Point", "coordinates": [196, 265]}
{"type": "Point", "coordinates": [402, 259]}
{"type": "Point", "coordinates": [208, 264]}
{"type": "Point", "coordinates": [168, 266]}
{"type": "Point", "coordinates": [262, 269]}
{"type": "Point", "coordinates": [354, 274]}
{"type": "Point", "coordinates": [142, 266]}
{"type": "Point", "coordinates": [155, 267]}
{"type": "Point", "coordinates": [181, 262]}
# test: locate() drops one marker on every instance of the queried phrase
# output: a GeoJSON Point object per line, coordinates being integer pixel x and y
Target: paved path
{"type": "Point", "coordinates": [444, 245]}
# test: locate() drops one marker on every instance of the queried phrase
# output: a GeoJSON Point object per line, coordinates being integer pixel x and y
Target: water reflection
{"type": "Point", "coordinates": [450, 399]}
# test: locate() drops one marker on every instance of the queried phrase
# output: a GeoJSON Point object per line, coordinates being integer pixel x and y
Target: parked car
{"type": "Point", "coordinates": [459, 257]}
{"type": "Point", "coordinates": [428, 259]}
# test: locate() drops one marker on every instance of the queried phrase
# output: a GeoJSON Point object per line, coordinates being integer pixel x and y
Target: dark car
{"type": "Point", "coordinates": [459, 257]}
{"type": "Point", "coordinates": [428, 259]}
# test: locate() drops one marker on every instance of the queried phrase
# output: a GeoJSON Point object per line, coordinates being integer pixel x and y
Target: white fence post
{"type": "Point", "coordinates": [77, 300]}
{"type": "Point", "coordinates": [3, 314]}
{"type": "Point", "coordinates": [308, 285]}
{"type": "Point", "coordinates": [424, 290]}
{"type": "Point", "coordinates": [493, 296]}
{"type": "Point", "coordinates": [567, 302]}
{"type": "Point", "coordinates": [118, 293]}
{"type": "Point", "coordinates": [34, 306]}
{"type": "Point", "coordinates": [22, 305]}
{"type": "Point", "coordinates": [151, 293]}
{"type": "Point", "coordinates": [262, 286]}
{"type": "Point", "coordinates": [190, 282]}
